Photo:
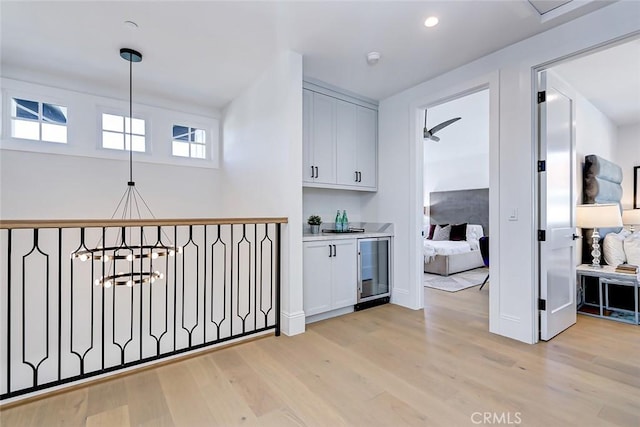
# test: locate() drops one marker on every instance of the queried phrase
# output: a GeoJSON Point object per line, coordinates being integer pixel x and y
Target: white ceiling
{"type": "Point", "coordinates": [546, 6]}
{"type": "Point", "coordinates": [609, 79]}
{"type": "Point", "coordinates": [207, 52]}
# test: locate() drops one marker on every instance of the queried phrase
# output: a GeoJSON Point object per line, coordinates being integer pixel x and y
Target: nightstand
{"type": "Point", "coordinates": [607, 276]}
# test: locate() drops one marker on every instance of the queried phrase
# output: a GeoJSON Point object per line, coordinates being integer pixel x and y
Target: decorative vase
{"type": "Point", "coordinates": [315, 228]}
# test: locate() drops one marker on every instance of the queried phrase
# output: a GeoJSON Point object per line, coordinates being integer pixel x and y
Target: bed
{"type": "Point", "coordinates": [456, 207]}
{"type": "Point", "coordinates": [445, 257]}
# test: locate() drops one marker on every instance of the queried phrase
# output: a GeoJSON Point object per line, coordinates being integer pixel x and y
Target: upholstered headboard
{"type": "Point", "coordinates": [602, 180]}
{"type": "Point", "coordinates": [458, 206]}
{"type": "Point", "coordinates": [602, 184]}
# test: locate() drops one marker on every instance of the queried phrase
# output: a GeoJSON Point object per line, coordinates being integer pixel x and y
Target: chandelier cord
{"type": "Point", "coordinates": [130, 122]}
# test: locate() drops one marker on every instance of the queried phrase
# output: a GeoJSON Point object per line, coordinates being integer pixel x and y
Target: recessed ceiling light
{"type": "Point", "coordinates": [431, 21]}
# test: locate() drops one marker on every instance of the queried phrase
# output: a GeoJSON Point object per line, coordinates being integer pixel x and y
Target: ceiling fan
{"type": "Point", "coordinates": [429, 134]}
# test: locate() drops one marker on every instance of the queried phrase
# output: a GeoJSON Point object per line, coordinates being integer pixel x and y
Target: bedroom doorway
{"type": "Point", "coordinates": [603, 84]}
{"type": "Point", "coordinates": [456, 192]}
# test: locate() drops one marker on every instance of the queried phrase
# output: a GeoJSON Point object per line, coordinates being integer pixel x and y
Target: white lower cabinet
{"type": "Point", "coordinates": [330, 275]}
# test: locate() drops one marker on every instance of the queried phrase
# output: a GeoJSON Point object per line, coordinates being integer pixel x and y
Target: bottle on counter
{"type": "Point", "coordinates": [338, 225]}
{"type": "Point", "coordinates": [345, 221]}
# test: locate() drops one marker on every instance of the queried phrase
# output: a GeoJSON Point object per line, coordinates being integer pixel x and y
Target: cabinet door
{"type": "Point", "coordinates": [316, 277]}
{"type": "Point", "coordinates": [307, 144]}
{"type": "Point", "coordinates": [344, 273]}
{"type": "Point", "coordinates": [367, 147]}
{"type": "Point", "coordinates": [323, 138]}
{"type": "Point", "coordinates": [346, 143]}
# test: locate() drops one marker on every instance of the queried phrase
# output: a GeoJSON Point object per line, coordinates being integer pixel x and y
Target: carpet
{"type": "Point", "coordinates": [456, 282]}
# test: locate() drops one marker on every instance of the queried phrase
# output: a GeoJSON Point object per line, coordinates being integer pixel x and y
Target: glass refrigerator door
{"type": "Point", "coordinates": [374, 268]}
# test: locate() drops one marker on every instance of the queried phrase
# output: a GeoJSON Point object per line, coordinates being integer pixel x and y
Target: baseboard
{"type": "Point", "coordinates": [403, 298]}
{"type": "Point", "coordinates": [292, 323]}
{"type": "Point", "coordinates": [329, 314]}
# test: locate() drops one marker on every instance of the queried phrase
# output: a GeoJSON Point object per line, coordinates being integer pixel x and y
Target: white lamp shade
{"type": "Point", "coordinates": [631, 217]}
{"type": "Point", "coordinates": [596, 215]}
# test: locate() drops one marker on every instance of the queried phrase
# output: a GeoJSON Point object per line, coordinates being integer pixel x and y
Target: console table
{"type": "Point", "coordinates": [607, 276]}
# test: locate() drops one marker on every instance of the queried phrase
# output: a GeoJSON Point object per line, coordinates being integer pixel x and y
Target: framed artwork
{"type": "Point", "coordinates": [636, 190]}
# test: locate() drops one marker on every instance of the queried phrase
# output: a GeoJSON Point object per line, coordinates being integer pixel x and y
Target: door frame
{"type": "Point", "coordinates": [535, 147]}
{"type": "Point", "coordinates": [490, 81]}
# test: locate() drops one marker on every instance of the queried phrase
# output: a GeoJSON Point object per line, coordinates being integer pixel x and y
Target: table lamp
{"type": "Point", "coordinates": [631, 217]}
{"type": "Point", "coordinates": [594, 216]}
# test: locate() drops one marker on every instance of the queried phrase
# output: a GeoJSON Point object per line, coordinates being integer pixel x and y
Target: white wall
{"type": "Point", "coordinates": [325, 202]}
{"type": "Point", "coordinates": [627, 155]}
{"type": "Point", "coordinates": [460, 160]}
{"type": "Point", "coordinates": [514, 288]}
{"type": "Point", "coordinates": [262, 139]}
{"type": "Point", "coordinates": [52, 186]}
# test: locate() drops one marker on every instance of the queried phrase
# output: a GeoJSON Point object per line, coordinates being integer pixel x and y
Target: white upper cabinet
{"type": "Point", "coordinates": [319, 138]}
{"type": "Point", "coordinates": [367, 147]}
{"type": "Point", "coordinates": [340, 143]}
{"type": "Point", "coordinates": [346, 138]}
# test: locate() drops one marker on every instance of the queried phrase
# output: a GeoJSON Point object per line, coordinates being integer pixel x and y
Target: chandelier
{"type": "Point", "coordinates": [129, 207]}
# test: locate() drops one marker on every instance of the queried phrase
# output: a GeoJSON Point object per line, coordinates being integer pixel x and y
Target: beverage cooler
{"type": "Point", "coordinates": [374, 272]}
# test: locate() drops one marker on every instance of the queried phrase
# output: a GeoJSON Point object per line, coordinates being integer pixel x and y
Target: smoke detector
{"type": "Point", "coordinates": [373, 58]}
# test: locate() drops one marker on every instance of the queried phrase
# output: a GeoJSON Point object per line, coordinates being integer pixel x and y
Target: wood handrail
{"type": "Point", "coordinates": [86, 223]}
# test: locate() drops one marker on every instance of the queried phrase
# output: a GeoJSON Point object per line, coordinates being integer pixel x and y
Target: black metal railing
{"type": "Point", "coordinates": [80, 299]}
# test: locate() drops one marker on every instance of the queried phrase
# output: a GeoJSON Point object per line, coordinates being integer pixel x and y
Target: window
{"type": "Point", "coordinates": [38, 121]}
{"type": "Point", "coordinates": [189, 142]}
{"type": "Point", "coordinates": [116, 132]}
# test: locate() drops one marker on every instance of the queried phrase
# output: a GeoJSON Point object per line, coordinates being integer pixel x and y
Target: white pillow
{"type": "Point", "coordinates": [632, 248]}
{"type": "Point", "coordinates": [613, 248]}
{"type": "Point", "coordinates": [474, 232]}
{"type": "Point", "coordinates": [442, 233]}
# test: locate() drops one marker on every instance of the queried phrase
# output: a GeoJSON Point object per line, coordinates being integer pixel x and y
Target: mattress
{"type": "Point", "coordinates": [445, 247]}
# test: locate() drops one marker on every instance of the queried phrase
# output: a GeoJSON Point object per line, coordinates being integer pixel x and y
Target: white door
{"type": "Point", "coordinates": [344, 273]}
{"type": "Point", "coordinates": [316, 271]}
{"type": "Point", "coordinates": [556, 115]}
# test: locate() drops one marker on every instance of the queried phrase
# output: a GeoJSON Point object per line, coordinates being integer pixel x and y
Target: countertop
{"type": "Point", "coordinates": [308, 237]}
{"type": "Point", "coordinates": [371, 230]}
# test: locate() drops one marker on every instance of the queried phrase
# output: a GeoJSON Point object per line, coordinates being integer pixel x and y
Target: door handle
{"type": "Point", "coordinates": [330, 252]}
{"type": "Point", "coordinates": [576, 237]}
{"type": "Point", "coordinates": [312, 172]}
{"type": "Point", "coordinates": [356, 180]}
{"type": "Point", "coordinates": [316, 172]}
{"type": "Point", "coordinates": [334, 250]}
{"type": "Point", "coordinates": [359, 176]}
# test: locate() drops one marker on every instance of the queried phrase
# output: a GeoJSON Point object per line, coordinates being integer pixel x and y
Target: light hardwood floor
{"type": "Point", "coordinates": [386, 366]}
